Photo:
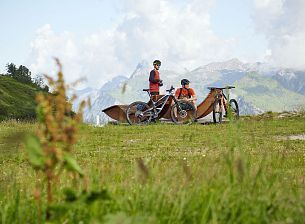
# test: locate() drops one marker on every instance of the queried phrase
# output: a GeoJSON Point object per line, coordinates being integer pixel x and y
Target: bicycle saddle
{"type": "Point", "coordinates": [147, 90]}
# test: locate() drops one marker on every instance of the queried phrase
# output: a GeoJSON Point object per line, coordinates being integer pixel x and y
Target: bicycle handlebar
{"type": "Point", "coordinates": [168, 90]}
{"type": "Point", "coordinates": [171, 89]}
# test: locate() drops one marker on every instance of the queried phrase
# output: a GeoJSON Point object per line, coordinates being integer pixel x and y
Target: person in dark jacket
{"type": "Point", "coordinates": [154, 79]}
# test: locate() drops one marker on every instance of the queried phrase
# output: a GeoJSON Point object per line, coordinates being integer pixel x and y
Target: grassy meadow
{"type": "Point", "coordinates": [244, 172]}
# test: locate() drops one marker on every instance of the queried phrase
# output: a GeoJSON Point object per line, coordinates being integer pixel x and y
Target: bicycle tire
{"type": "Point", "coordinates": [135, 113]}
{"type": "Point", "coordinates": [186, 116]}
{"type": "Point", "coordinates": [234, 109]}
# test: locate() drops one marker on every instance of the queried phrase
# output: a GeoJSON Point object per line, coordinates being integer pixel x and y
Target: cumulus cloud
{"type": "Point", "coordinates": [47, 45]}
{"type": "Point", "coordinates": [282, 23]}
{"type": "Point", "coordinates": [177, 32]}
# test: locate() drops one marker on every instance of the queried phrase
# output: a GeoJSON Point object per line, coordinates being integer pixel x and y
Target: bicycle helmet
{"type": "Point", "coordinates": [157, 62]}
{"type": "Point", "coordinates": [184, 82]}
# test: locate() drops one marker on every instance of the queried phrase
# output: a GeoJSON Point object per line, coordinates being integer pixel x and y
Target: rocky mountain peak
{"type": "Point", "coordinates": [142, 67]}
{"type": "Point", "coordinates": [232, 64]}
{"type": "Point", "coordinates": [286, 74]}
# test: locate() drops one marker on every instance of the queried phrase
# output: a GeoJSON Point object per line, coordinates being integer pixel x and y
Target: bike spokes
{"type": "Point", "coordinates": [183, 113]}
{"type": "Point", "coordinates": [138, 113]}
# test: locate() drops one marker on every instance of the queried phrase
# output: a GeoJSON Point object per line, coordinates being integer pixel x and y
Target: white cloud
{"type": "Point", "coordinates": [47, 45]}
{"type": "Point", "coordinates": [282, 22]}
{"type": "Point", "coordinates": [176, 32]}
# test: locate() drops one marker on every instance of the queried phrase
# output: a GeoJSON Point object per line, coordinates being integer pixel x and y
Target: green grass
{"type": "Point", "coordinates": [230, 173]}
{"type": "Point", "coordinates": [17, 100]}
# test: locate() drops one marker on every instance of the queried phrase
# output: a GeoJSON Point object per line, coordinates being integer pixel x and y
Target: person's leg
{"type": "Point", "coordinates": [154, 96]}
{"type": "Point", "coordinates": [224, 103]}
{"type": "Point", "coordinates": [194, 103]}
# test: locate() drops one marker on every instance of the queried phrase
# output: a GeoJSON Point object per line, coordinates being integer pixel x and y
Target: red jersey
{"type": "Point", "coordinates": [154, 80]}
{"type": "Point", "coordinates": [184, 93]}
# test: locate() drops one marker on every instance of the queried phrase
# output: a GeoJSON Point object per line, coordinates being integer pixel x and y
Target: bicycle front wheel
{"type": "Point", "coordinates": [183, 112]}
{"type": "Point", "coordinates": [234, 109]}
{"type": "Point", "coordinates": [137, 113]}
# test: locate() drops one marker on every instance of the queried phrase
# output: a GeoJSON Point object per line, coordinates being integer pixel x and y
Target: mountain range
{"type": "Point", "coordinates": [259, 87]}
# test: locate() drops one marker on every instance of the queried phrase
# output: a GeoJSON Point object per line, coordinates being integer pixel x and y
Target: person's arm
{"type": "Point", "coordinates": [177, 93]}
{"type": "Point", "coordinates": [153, 77]}
{"type": "Point", "coordinates": [194, 97]}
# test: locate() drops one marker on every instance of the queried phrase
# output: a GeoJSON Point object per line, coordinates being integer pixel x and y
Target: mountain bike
{"type": "Point", "coordinates": [221, 103]}
{"type": "Point", "coordinates": [139, 113]}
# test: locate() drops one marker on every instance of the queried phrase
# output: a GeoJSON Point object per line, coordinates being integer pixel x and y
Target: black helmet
{"type": "Point", "coordinates": [157, 62]}
{"type": "Point", "coordinates": [185, 82]}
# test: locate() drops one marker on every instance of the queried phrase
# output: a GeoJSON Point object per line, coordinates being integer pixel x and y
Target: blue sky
{"type": "Point", "coordinates": [20, 20]}
{"type": "Point", "coordinates": [235, 19]}
{"type": "Point", "coordinates": [100, 39]}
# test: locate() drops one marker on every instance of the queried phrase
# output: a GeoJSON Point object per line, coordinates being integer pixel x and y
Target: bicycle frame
{"type": "Point", "coordinates": [156, 108]}
{"type": "Point", "coordinates": [222, 96]}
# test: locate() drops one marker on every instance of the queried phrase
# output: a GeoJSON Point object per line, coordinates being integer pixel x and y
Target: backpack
{"type": "Point", "coordinates": [188, 93]}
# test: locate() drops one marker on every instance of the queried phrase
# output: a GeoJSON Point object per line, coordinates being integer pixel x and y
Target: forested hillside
{"type": "Point", "coordinates": [17, 93]}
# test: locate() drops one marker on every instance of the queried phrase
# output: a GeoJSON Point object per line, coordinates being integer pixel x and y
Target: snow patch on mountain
{"type": "Point", "coordinates": [292, 80]}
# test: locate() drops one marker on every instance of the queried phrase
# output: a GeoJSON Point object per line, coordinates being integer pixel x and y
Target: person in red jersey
{"type": "Point", "coordinates": [154, 79]}
{"type": "Point", "coordinates": [185, 92]}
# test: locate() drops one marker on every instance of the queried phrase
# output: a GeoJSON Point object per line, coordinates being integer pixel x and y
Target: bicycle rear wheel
{"type": "Point", "coordinates": [137, 113]}
{"type": "Point", "coordinates": [184, 114]}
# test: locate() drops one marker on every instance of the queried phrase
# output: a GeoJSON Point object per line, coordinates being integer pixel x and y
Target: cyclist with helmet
{"type": "Point", "coordinates": [186, 93]}
{"type": "Point", "coordinates": [154, 79]}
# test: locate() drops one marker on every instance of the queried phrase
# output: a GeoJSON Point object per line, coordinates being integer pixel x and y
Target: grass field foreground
{"type": "Point", "coordinates": [244, 172]}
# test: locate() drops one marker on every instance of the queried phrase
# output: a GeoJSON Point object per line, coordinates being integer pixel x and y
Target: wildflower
{"type": "Point", "coordinates": [49, 151]}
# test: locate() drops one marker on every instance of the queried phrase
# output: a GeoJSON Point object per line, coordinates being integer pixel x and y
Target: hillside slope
{"type": "Point", "coordinates": [17, 100]}
{"type": "Point", "coordinates": [267, 93]}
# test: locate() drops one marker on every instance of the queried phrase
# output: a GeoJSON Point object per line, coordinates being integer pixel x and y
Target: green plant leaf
{"type": "Point", "coordinates": [72, 165]}
{"type": "Point", "coordinates": [34, 151]}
